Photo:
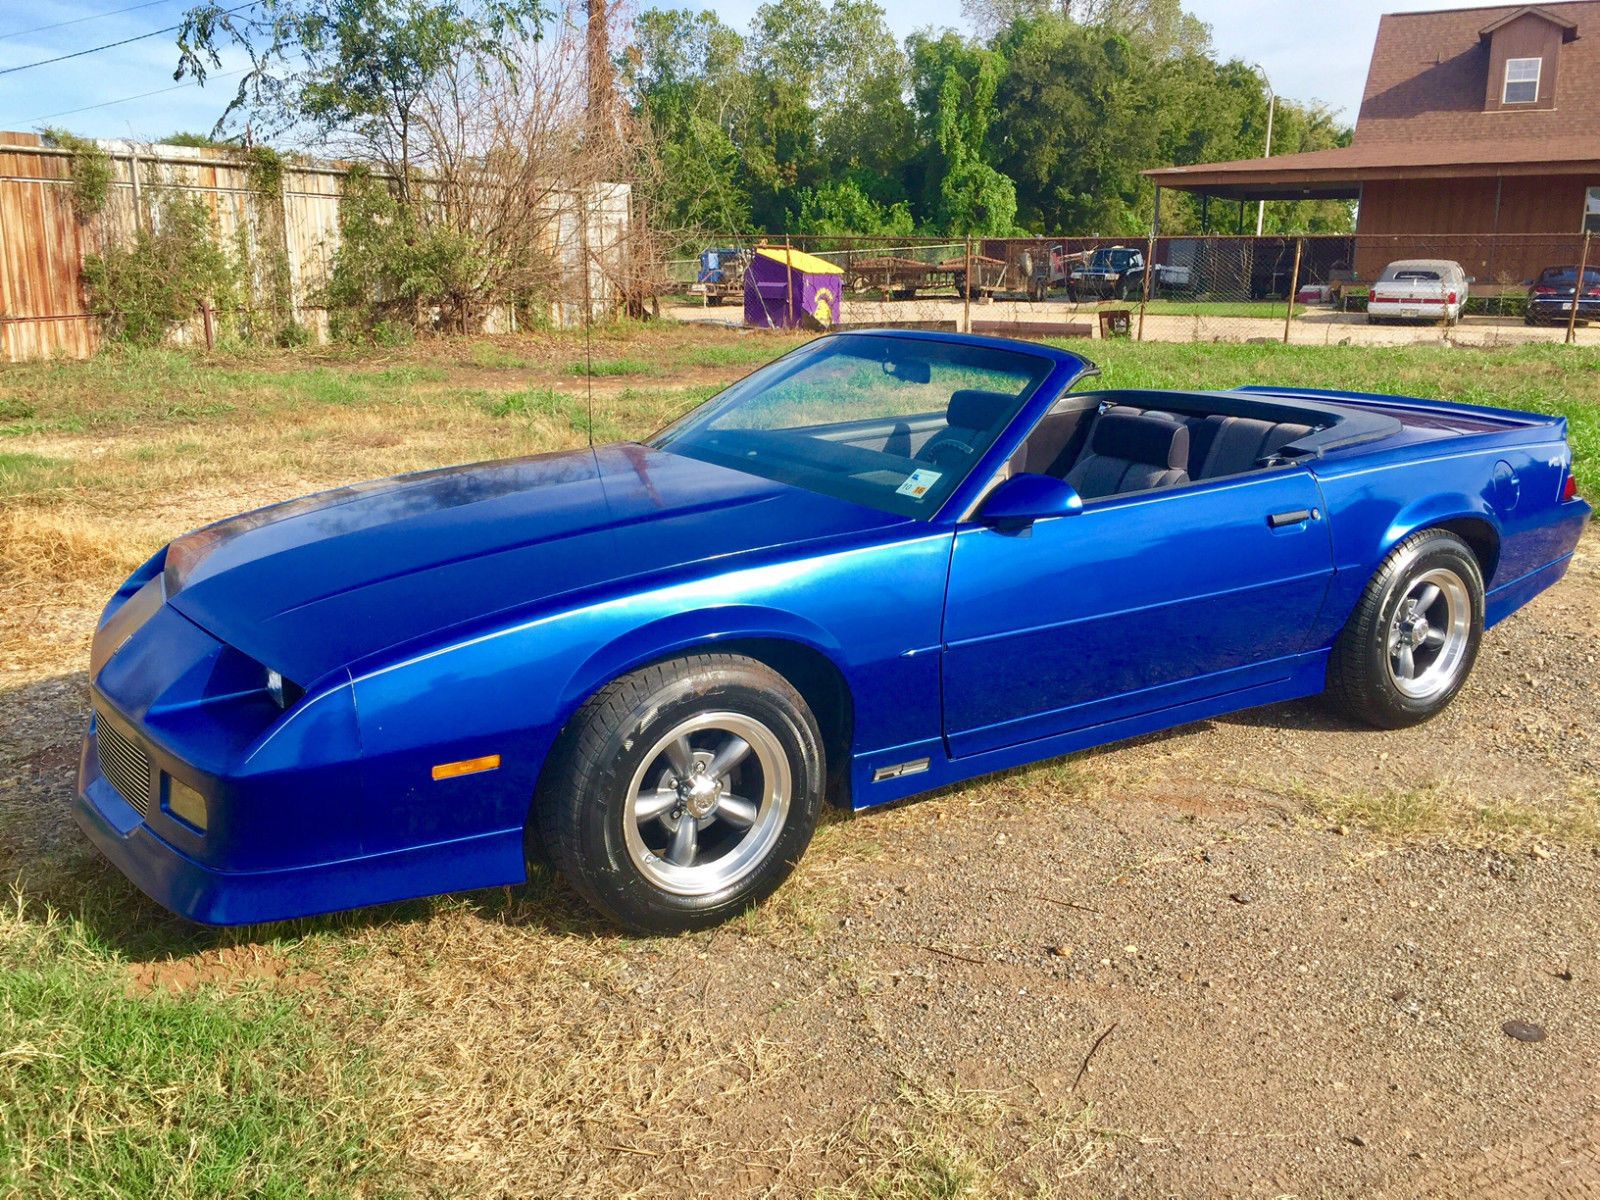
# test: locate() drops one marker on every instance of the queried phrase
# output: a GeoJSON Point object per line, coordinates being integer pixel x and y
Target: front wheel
{"type": "Point", "coordinates": [684, 792]}
{"type": "Point", "coordinates": [1412, 641]}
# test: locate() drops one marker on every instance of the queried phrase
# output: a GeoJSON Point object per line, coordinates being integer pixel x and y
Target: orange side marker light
{"type": "Point", "coordinates": [467, 766]}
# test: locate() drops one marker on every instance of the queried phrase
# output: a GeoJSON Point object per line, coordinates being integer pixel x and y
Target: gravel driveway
{"type": "Point", "coordinates": [1265, 955]}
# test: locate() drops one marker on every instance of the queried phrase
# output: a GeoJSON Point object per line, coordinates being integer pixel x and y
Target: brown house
{"type": "Point", "coordinates": [1479, 128]}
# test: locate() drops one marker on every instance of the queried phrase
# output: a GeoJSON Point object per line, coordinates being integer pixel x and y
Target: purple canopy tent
{"type": "Point", "coordinates": [785, 289]}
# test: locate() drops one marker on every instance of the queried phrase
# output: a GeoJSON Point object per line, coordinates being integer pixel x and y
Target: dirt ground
{"type": "Point", "coordinates": [1267, 955]}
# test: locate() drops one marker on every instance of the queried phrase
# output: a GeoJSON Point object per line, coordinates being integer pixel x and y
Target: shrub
{"type": "Point", "coordinates": [413, 264]}
{"type": "Point", "coordinates": [144, 289]}
{"type": "Point", "coordinates": [92, 172]}
{"type": "Point", "coordinates": [293, 336]}
{"type": "Point", "coordinates": [1507, 304]}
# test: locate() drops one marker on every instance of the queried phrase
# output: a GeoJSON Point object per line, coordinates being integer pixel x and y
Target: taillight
{"type": "Point", "coordinates": [1544, 291]}
{"type": "Point", "coordinates": [1451, 298]}
{"type": "Point", "coordinates": [1569, 488]}
{"type": "Point", "coordinates": [1592, 292]}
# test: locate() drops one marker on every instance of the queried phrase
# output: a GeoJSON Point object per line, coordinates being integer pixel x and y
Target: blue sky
{"type": "Point", "coordinates": [1311, 51]}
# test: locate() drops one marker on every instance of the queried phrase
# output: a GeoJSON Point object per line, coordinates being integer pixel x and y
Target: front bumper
{"type": "Point", "coordinates": [1095, 285]}
{"type": "Point", "coordinates": [199, 892]}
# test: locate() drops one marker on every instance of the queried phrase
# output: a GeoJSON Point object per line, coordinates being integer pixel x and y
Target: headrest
{"type": "Point", "coordinates": [1141, 439]}
{"type": "Point", "coordinates": [972, 408]}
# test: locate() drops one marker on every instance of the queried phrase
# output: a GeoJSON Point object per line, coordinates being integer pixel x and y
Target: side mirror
{"type": "Point", "coordinates": [1023, 499]}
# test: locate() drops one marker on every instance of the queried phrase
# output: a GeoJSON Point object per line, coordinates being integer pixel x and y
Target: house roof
{"type": "Point", "coordinates": [800, 261]}
{"type": "Point", "coordinates": [1338, 174]}
{"type": "Point", "coordinates": [1429, 72]}
{"type": "Point", "coordinates": [1569, 29]}
{"type": "Point", "coordinates": [1423, 116]}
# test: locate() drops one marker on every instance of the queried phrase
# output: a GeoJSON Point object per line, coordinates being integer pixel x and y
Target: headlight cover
{"type": "Point", "coordinates": [183, 802]}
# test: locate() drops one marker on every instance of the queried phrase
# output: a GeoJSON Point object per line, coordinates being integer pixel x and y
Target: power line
{"type": "Point", "coordinates": [177, 87]}
{"type": "Point", "coordinates": [45, 62]}
{"type": "Point", "coordinates": [80, 20]}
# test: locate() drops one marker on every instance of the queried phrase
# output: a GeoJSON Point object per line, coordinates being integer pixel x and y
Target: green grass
{"type": "Point", "coordinates": [23, 472]}
{"type": "Point", "coordinates": [749, 352]}
{"type": "Point", "coordinates": [104, 1092]}
{"type": "Point", "coordinates": [495, 357]}
{"type": "Point", "coordinates": [1265, 309]}
{"type": "Point", "coordinates": [612, 366]}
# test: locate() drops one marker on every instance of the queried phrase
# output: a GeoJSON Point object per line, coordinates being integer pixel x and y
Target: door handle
{"type": "Point", "coordinates": [1296, 517]}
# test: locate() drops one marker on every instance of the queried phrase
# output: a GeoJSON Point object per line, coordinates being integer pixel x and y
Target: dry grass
{"type": "Point", "coordinates": [1454, 812]}
{"type": "Point", "coordinates": [940, 1140]}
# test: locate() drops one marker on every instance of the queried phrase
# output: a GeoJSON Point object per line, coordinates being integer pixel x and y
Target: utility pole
{"type": "Point", "coordinates": [1272, 103]}
{"type": "Point", "coordinates": [602, 89]}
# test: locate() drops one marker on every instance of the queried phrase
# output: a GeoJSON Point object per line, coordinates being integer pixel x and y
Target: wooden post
{"type": "Point", "coordinates": [1294, 286]}
{"type": "Point", "coordinates": [966, 290]}
{"type": "Point", "coordinates": [1577, 290]}
{"type": "Point", "coordinates": [133, 176]}
{"type": "Point", "coordinates": [1149, 274]}
{"type": "Point", "coordinates": [788, 281]}
{"type": "Point", "coordinates": [208, 320]}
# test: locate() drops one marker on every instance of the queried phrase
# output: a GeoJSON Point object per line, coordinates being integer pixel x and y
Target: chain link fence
{"type": "Point", "coordinates": [1311, 290]}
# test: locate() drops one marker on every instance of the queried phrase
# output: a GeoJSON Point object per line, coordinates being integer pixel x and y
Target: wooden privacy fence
{"type": "Point", "coordinates": [281, 225]}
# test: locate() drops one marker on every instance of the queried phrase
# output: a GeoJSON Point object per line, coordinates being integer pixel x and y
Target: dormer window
{"type": "Point", "coordinates": [1522, 81]}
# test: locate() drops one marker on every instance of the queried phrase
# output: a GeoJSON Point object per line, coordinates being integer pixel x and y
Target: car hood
{"type": "Point", "coordinates": [316, 584]}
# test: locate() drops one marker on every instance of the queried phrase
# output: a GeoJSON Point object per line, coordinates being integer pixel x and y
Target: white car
{"type": "Point", "coordinates": [1419, 289]}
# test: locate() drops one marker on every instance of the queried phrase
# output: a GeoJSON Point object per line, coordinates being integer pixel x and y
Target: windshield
{"type": "Point", "coordinates": [895, 423]}
{"type": "Point", "coordinates": [1111, 260]}
{"type": "Point", "coordinates": [1414, 274]}
{"type": "Point", "coordinates": [1569, 275]}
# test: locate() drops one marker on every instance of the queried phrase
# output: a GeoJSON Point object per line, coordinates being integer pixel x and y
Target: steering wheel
{"type": "Point", "coordinates": [947, 452]}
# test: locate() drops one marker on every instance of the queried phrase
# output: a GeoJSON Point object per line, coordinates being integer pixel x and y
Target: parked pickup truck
{"type": "Point", "coordinates": [1419, 289]}
{"type": "Point", "coordinates": [1112, 272]}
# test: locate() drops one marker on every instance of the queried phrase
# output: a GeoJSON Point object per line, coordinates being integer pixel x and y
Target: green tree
{"type": "Point", "coordinates": [688, 90]}
{"type": "Point", "coordinates": [1075, 125]}
{"type": "Point", "coordinates": [357, 69]}
{"type": "Point", "coordinates": [954, 85]}
{"type": "Point", "coordinates": [845, 207]}
{"type": "Point", "coordinates": [1160, 24]}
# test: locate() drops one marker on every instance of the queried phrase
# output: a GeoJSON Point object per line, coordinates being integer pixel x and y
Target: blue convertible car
{"type": "Point", "coordinates": [885, 562]}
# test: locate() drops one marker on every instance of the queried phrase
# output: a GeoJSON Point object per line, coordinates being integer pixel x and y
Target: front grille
{"type": "Point", "coordinates": [124, 764]}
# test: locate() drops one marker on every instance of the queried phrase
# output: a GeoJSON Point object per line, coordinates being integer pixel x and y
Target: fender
{"type": "Point", "coordinates": [685, 631]}
{"type": "Point", "coordinates": [1436, 510]}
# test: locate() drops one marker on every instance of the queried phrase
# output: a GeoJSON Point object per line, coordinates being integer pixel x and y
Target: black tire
{"type": "Point", "coordinates": [1364, 680]}
{"type": "Point", "coordinates": [582, 813]}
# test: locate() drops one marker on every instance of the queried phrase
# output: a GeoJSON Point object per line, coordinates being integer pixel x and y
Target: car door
{"type": "Point", "coordinates": [1138, 603]}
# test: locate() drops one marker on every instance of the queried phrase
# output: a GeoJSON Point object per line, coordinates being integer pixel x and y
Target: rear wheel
{"type": "Point", "coordinates": [1412, 641]}
{"type": "Point", "coordinates": [684, 792]}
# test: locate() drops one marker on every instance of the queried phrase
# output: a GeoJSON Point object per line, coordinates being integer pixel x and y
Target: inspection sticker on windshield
{"type": "Point", "coordinates": [918, 483]}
